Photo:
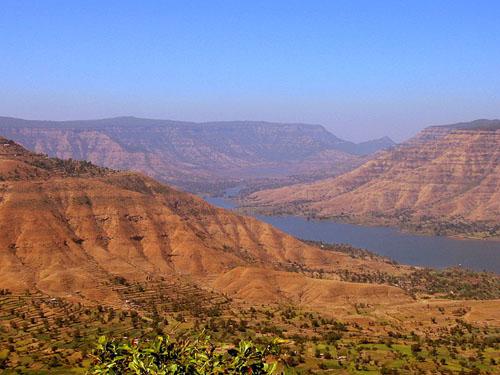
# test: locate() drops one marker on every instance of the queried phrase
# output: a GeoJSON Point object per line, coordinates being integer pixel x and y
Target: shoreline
{"type": "Point", "coordinates": [250, 210]}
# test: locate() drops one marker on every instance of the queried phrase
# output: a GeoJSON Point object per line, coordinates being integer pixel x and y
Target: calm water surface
{"type": "Point", "coordinates": [432, 251]}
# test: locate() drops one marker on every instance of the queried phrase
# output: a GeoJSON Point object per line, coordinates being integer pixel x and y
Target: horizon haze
{"type": "Point", "coordinates": [362, 70]}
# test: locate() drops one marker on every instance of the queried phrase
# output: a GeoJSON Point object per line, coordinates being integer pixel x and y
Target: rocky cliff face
{"type": "Point", "coordinates": [445, 180]}
{"type": "Point", "coordinates": [70, 228]}
{"type": "Point", "coordinates": [195, 156]}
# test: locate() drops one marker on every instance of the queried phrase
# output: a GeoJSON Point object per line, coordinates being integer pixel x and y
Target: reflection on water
{"type": "Point", "coordinates": [432, 251]}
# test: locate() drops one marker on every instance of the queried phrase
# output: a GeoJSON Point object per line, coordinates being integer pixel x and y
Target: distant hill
{"type": "Point", "coordinates": [445, 180]}
{"type": "Point", "coordinates": [481, 124]}
{"type": "Point", "coordinates": [196, 156]}
{"type": "Point", "coordinates": [370, 147]}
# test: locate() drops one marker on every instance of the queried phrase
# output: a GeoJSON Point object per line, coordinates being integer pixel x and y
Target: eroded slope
{"type": "Point", "coordinates": [444, 180]}
{"type": "Point", "coordinates": [70, 228]}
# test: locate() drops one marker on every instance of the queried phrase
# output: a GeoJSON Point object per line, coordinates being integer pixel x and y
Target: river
{"type": "Point", "coordinates": [418, 250]}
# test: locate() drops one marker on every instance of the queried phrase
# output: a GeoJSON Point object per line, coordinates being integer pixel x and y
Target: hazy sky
{"type": "Point", "coordinates": [361, 68]}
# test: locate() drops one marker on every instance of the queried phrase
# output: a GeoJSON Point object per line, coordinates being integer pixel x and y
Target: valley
{"type": "Point", "coordinates": [249, 188]}
{"type": "Point", "coordinates": [90, 251]}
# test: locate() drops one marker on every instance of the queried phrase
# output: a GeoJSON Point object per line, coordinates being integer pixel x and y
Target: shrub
{"type": "Point", "coordinates": [164, 356]}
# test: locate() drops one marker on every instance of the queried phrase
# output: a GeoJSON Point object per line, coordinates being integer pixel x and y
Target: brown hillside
{"type": "Point", "coordinates": [251, 284]}
{"type": "Point", "coordinates": [70, 229]}
{"type": "Point", "coordinates": [444, 180]}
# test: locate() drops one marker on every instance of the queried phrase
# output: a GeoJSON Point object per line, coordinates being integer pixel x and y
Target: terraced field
{"type": "Point", "coordinates": [40, 334]}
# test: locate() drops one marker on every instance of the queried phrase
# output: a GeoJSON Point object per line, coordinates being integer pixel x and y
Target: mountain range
{"type": "Point", "coordinates": [198, 157]}
{"type": "Point", "coordinates": [445, 180]}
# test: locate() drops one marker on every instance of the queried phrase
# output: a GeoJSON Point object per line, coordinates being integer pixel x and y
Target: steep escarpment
{"type": "Point", "coordinates": [198, 157]}
{"type": "Point", "coordinates": [445, 180]}
{"type": "Point", "coordinates": [70, 228]}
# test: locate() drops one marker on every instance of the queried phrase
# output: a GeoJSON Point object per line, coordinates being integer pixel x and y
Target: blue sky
{"type": "Point", "coordinates": [363, 69]}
